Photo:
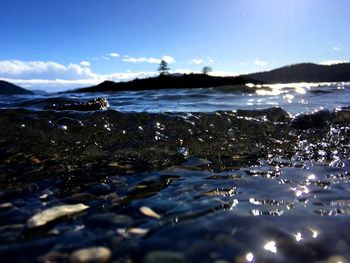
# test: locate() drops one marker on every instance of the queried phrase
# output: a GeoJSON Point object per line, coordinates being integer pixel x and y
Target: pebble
{"type": "Point", "coordinates": [138, 231]}
{"type": "Point", "coordinates": [91, 254]}
{"type": "Point", "coordinates": [164, 257]}
{"type": "Point", "coordinates": [149, 212]}
{"type": "Point", "coordinates": [53, 213]}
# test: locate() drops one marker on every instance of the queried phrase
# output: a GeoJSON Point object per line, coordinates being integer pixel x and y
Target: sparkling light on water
{"type": "Point", "coordinates": [271, 246]}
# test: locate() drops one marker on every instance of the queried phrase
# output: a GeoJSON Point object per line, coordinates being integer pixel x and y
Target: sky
{"type": "Point", "coordinates": [62, 44]}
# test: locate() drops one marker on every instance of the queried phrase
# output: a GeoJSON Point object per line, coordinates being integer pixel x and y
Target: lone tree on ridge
{"type": "Point", "coordinates": [163, 67]}
{"type": "Point", "coordinates": [206, 70]}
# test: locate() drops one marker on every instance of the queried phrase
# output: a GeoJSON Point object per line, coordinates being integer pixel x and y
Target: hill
{"type": "Point", "coordinates": [168, 82]}
{"type": "Point", "coordinates": [305, 72]}
{"type": "Point", "coordinates": [7, 88]}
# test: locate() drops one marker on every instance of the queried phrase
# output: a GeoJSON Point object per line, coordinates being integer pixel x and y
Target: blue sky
{"type": "Point", "coordinates": [72, 43]}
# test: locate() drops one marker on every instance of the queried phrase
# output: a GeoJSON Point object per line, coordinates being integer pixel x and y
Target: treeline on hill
{"type": "Point", "coordinates": [169, 82]}
{"type": "Point", "coordinates": [305, 72]}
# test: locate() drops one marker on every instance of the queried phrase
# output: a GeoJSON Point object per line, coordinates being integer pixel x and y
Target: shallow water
{"type": "Point", "coordinates": [222, 186]}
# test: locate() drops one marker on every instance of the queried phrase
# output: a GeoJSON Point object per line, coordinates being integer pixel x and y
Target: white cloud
{"type": "Point", "coordinates": [333, 62]}
{"type": "Point", "coordinates": [85, 64]}
{"type": "Point", "coordinates": [141, 60]}
{"type": "Point", "coordinates": [53, 76]}
{"type": "Point", "coordinates": [197, 61]}
{"type": "Point", "coordinates": [337, 48]}
{"type": "Point", "coordinates": [113, 54]}
{"type": "Point", "coordinates": [260, 63]}
{"type": "Point", "coordinates": [168, 59]}
{"type": "Point", "coordinates": [42, 69]}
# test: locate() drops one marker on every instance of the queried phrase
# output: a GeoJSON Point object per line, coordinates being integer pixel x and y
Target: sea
{"type": "Point", "coordinates": [178, 175]}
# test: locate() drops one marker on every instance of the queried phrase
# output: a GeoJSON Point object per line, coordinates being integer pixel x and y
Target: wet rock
{"type": "Point", "coordinates": [318, 119]}
{"type": "Point", "coordinates": [274, 114]}
{"type": "Point", "coordinates": [341, 116]}
{"type": "Point", "coordinates": [53, 213]}
{"type": "Point", "coordinates": [91, 105]}
{"type": "Point", "coordinates": [92, 254]}
{"type": "Point", "coordinates": [164, 257]}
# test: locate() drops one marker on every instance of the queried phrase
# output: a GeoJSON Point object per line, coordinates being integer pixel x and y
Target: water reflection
{"type": "Point", "coordinates": [271, 246]}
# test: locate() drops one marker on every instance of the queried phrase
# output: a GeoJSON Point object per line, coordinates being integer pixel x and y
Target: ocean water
{"type": "Point", "coordinates": [188, 175]}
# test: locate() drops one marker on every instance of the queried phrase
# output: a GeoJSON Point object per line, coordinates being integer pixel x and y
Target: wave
{"type": "Point", "coordinates": [225, 139]}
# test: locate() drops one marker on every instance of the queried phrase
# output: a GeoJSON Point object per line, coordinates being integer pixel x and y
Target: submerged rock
{"type": "Point", "coordinates": [318, 119]}
{"type": "Point", "coordinates": [341, 115]}
{"type": "Point", "coordinates": [53, 213]}
{"type": "Point", "coordinates": [91, 105]}
{"type": "Point", "coordinates": [92, 254]}
{"type": "Point", "coordinates": [274, 114]}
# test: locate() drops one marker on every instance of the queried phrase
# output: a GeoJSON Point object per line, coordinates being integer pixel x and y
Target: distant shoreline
{"type": "Point", "coordinates": [304, 72]}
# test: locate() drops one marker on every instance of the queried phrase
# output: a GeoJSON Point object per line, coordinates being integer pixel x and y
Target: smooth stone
{"type": "Point", "coordinates": [92, 254]}
{"type": "Point", "coordinates": [53, 213]}
{"type": "Point", "coordinates": [164, 257]}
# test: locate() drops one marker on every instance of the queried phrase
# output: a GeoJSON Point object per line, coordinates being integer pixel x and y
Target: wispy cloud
{"type": "Point", "coordinates": [114, 55]}
{"type": "Point", "coordinates": [85, 64]}
{"type": "Point", "coordinates": [197, 61]}
{"type": "Point", "coordinates": [333, 62]}
{"type": "Point", "coordinates": [337, 49]}
{"type": "Point", "coordinates": [260, 63]}
{"type": "Point", "coordinates": [141, 60]}
{"type": "Point", "coordinates": [168, 59]}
